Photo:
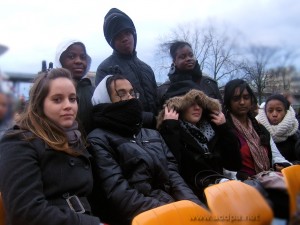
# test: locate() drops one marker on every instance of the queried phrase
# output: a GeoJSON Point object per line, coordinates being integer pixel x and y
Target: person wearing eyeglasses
{"type": "Point", "coordinates": [134, 170]}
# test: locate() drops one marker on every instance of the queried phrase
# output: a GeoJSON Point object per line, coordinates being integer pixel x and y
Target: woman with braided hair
{"type": "Point", "coordinates": [258, 150]}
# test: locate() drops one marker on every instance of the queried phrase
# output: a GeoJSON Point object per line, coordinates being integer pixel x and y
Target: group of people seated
{"type": "Point", "coordinates": [85, 154]}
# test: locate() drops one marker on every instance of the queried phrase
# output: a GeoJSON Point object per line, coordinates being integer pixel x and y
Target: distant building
{"type": "Point", "coordinates": [19, 83]}
{"type": "Point", "coordinates": [284, 79]}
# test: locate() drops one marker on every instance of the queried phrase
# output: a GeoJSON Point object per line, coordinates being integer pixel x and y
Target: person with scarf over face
{"type": "Point", "coordinates": [258, 150]}
{"type": "Point", "coordinates": [134, 169]}
{"type": "Point", "coordinates": [71, 54]}
{"type": "Point", "coordinates": [278, 116]}
{"type": "Point", "coordinates": [185, 73]}
{"type": "Point", "coordinates": [45, 169]}
{"type": "Point", "coordinates": [195, 130]}
{"type": "Point", "coordinates": [120, 34]}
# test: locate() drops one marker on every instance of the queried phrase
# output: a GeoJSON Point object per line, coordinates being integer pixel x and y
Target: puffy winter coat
{"type": "Point", "coordinates": [134, 175]}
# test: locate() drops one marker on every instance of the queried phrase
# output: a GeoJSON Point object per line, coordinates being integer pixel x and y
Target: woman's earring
{"type": "Point", "coordinates": [172, 69]}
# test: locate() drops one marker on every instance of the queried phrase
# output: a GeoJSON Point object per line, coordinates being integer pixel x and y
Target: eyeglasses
{"type": "Point", "coordinates": [123, 95]}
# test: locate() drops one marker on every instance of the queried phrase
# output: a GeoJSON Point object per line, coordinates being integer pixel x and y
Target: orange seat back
{"type": "Point", "coordinates": [183, 212]}
{"type": "Point", "coordinates": [234, 202]}
{"type": "Point", "coordinates": [291, 176]}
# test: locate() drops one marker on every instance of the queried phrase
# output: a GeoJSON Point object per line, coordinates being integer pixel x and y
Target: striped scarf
{"type": "Point", "coordinates": [258, 152]}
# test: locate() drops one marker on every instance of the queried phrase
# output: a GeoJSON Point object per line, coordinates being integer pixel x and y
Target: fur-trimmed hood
{"type": "Point", "coordinates": [180, 103]}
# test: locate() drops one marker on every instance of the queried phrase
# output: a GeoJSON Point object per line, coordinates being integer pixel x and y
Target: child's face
{"type": "Point", "coordinates": [275, 111]}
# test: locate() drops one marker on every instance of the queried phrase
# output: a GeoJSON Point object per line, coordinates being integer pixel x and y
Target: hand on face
{"type": "Point", "coordinates": [170, 114]}
{"type": "Point", "coordinates": [217, 118]}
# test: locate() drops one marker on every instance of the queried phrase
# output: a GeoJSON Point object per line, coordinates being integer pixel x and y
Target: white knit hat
{"type": "Point", "coordinates": [101, 94]}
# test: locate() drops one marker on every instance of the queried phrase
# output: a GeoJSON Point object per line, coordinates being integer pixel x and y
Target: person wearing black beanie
{"type": "Point", "coordinates": [115, 22]}
{"type": "Point", "coordinates": [120, 33]}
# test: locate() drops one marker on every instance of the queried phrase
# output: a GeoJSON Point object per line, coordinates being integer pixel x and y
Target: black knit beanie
{"type": "Point", "coordinates": [281, 98]}
{"type": "Point", "coordinates": [116, 21]}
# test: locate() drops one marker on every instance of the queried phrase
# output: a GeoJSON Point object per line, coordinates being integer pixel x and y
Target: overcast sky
{"type": "Point", "coordinates": [33, 28]}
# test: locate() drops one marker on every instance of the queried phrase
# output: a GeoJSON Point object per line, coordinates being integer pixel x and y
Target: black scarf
{"type": "Point", "coordinates": [195, 74]}
{"type": "Point", "coordinates": [202, 134]}
{"type": "Point", "coordinates": [124, 117]}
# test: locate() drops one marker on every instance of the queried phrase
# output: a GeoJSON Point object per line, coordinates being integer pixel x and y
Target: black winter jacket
{"type": "Point", "coordinates": [290, 148]}
{"type": "Point", "coordinates": [85, 91]}
{"type": "Point", "coordinates": [223, 148]}
{"type": "Point", "coordinates": [34, 180]}
{"type": "Point", "coordinates": [134, 174]}
{"type": "Point", "coordinates": [171, 89]}
{"type": "Point", "coordinates": [140, 75]}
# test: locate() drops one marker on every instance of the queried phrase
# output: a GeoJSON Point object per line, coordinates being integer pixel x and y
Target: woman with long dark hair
{"type": "Point", "coordinates": [258, 150]}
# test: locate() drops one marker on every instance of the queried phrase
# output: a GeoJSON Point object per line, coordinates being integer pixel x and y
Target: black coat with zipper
{"type": "Point", "coordinates": [133, 174]}
{"type": "Point", "coordinates": [223, 151]}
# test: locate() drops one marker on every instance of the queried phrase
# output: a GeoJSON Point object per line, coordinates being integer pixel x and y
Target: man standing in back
{"type": "Point", "coordinates": [120, 33]}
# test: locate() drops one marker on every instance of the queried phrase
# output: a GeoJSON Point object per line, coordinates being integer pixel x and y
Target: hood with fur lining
{"type": "Point", "coordinates": [180, 103]}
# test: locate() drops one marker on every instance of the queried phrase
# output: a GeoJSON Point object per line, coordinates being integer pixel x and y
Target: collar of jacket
{"type": "Point", "coordinates": [84, 82]}
{"type": "Point", "coordinates": [132, 56]}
